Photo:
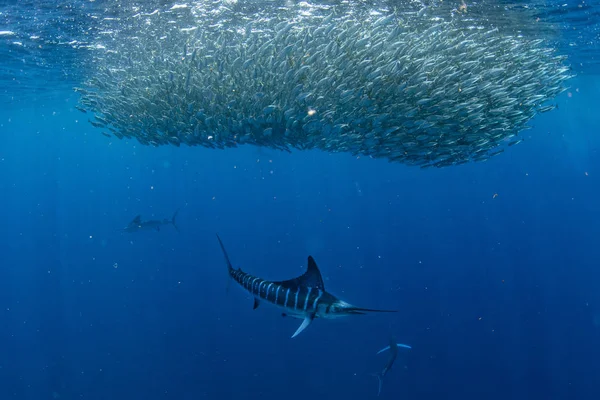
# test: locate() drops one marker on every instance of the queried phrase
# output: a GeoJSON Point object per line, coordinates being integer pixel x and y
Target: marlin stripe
{"type": "Point", "coordinates": [258, 283]}
{"type": "Point", "coordinates": [277, 287]}
{"type": "Point", "coordinates": [260, 288]}
{"type": "Point", "coordinates": [315, 304]}
{"type": "Point", "coordinates": [268, 288]}
{"type": "Point", "coordinates": [253, 282]}
{"type": "Point", "coordinates": [296, 302]}
{"type": "Point", "coordinates": [306, 298]}
{"type": "Point", "coordinates": [275, 293]}
{"type": "Point", "coordinates": [283, 299]}
{"type": "Point", "coordinates": [287, 294]}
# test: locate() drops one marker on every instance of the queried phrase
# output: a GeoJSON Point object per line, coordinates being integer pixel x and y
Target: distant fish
{"type": "Point", "coordinates": [97, 124]}
{"type": "Point", "coordinates": [388, 365]}
{"type": "Point", "coordinates": [154, 224]}
{"type": "Point", "coordinates": [303, 297]}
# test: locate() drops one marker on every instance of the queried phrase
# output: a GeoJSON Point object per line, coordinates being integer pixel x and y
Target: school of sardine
{"type": "Point", "coordinates": [423, 91]}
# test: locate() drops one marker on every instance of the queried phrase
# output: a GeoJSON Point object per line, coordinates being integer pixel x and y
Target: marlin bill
{"type": "Point", "coordinates": [303, 297]}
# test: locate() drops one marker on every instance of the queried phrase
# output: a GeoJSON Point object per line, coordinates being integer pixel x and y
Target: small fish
{"type": "Point", "coordinates": [97, 124]}
{"type": "Point", "coordinates": [423, 91]}
{"type": "Point", "coordinates": [515, 142]}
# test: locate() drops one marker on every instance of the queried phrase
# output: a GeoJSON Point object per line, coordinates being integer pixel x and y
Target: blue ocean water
{"type": "Point", "coordinates": [492, 266]}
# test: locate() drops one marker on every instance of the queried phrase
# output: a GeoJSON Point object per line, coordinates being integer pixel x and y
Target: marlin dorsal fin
{"type": "Point", "coordinates": [137, 220]}
{"type": "Point", "coordinates": [311, 278]}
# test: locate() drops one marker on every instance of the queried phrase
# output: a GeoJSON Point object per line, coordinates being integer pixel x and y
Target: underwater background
{"type": "Point", "coordinates": [492, 265]}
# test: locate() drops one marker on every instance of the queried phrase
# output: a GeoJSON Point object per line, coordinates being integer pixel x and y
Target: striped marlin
{"type": "Point", "coordinates": [303, 297]}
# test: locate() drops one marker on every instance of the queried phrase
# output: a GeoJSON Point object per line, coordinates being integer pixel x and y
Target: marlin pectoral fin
{"type": "Point", "coordinates": [304, 325]}
{"type": "Point", "coordinates": [256, 304]}
{"type": "Point", "coordinates": [399, 345]}
{"type": "Point", "coordinates": [283, 314]}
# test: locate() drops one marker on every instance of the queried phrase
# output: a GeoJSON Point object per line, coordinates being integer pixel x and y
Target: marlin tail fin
{"type": "Point", "coordinates": [229, 266]}
{"type": "Point", "coordinates": [173, 219]}
{"type": "Point", "coordinates": [380, 381]}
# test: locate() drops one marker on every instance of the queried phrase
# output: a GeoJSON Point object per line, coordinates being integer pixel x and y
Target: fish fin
{"type": "Point", "coordinates": [307, 320]}
{"type": "Point", "coordinates": [284, 315]}
{"type": "Point", "coordinates": [398, 344]}
{"type": "Point", "coordinates": [137, 220]}
{"type": "Point", "coordinates": [229, 267]}
{"type": "Point", "coordinates": [384, 349]}
{"type": "Point", "coordinates": [256, 304]}
{"type": "Point", "coordinates": [311, 278]}
{"type": "Point", "coordinates": [380, 379]}
{"type": "Point", "coordinates": [173, 220]}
